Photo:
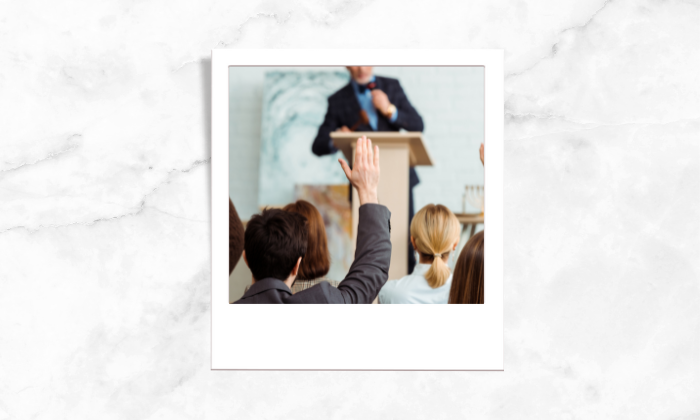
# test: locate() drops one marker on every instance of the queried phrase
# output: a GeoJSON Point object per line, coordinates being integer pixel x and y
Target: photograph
{"type": "Point", "coordinates": [357, 177]}
{"type": "Point", "coordinates": [327, 212]}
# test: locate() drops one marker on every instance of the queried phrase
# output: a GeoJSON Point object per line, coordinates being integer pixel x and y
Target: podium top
{"type": "Point", "coordinates": [418, 154]}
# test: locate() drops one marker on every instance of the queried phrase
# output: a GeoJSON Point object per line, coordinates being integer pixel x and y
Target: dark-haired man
{"type": "Point", "coordinates": [275, 242]}
{"type": "Point", "coordinates": [387, 108]}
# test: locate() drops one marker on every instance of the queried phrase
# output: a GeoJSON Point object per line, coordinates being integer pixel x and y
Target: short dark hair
{"type": "Point", "coordinates": [274, 241]}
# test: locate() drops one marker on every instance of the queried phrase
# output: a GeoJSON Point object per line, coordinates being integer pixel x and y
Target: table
{"type": "Point", "coordinates": [468, 220]}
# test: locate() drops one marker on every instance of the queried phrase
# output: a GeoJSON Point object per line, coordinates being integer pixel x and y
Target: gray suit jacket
{"type": "Point", "coordinates": [367, 275]}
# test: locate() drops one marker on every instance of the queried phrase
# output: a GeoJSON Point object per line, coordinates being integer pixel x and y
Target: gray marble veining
{"type": "Point", "coordinates": [105, 210]}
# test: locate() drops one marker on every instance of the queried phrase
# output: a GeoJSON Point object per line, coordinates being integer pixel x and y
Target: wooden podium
{"type": "Point", "coordinates": [397, 152]}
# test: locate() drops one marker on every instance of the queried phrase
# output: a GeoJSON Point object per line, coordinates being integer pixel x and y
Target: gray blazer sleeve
{"type": "Point", "coordinates": [370, 270]}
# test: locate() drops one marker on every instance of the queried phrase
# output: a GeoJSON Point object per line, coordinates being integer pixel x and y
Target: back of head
{"type": "Point", "coordinates": [435, 230]}
{"type": "Point", "coordinates": [317, 260]}
{"type": "Point", "coordinates": [274, 241]}
{"type": "Point", "coordinates": [468, 279]}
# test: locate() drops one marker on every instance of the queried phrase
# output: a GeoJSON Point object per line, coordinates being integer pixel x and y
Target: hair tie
{"type": "Point", "coordinates": [437, 255]}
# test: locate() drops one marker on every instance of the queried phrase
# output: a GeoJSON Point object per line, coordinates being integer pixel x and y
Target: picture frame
{"type": "Point", "coordinates": [359, 337]}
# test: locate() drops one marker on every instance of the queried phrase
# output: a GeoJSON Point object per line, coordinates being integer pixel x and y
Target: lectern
{"type": "Point", "coordinates": [397, 152]}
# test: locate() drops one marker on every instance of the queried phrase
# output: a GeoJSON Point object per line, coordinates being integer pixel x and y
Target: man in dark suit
{"type": "Point", "coordinates": [386, 108]}
{"type": "Point", "coordinates": [275, 242]}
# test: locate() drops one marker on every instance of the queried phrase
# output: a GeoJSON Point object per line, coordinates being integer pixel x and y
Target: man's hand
{"type": "Point", "coordinates": [365, 172]}
{"type": "Point", "coordinates": [344, 129]}
{"type": "Point", "coordinates": [481, 153]}
{"type": "Point", "coordinates": [380, 101]}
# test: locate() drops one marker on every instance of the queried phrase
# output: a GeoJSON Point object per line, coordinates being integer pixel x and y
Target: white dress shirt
{"type": "Point", "coordinates": [414, 288]}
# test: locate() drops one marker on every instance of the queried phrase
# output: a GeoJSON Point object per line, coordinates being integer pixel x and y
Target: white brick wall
{"type": "Point", "coordinates": [450, 100]}
{"type": "Point", "coordinates": [245, 110]}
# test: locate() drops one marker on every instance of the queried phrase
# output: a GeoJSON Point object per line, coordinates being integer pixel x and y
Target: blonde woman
{"type": "Point", "coordinates": [434, 235]}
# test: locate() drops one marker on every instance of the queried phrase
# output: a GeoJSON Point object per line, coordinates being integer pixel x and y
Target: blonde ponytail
{"type": "Point", "coordinates": [438, 273]}
{"type": "Point", "coordinates": [435, 229]}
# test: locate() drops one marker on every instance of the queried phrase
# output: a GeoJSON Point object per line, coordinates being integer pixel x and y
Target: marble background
{"type": "Point", "coordinates": [105, 209]}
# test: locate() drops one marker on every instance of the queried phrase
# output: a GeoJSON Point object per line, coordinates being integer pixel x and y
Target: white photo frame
{"type": "Point", "coordinates": [359, 337]}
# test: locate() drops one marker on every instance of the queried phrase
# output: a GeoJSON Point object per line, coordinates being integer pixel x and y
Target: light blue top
{"type": "Point", "coordinates": [414, 288]}
{"type": "Point", "coordinates": [365, 100]}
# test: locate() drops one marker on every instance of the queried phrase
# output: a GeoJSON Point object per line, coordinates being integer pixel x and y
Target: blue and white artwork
{"type": "Point", "coordinates": [294, 105]}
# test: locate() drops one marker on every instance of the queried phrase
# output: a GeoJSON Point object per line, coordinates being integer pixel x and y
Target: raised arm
{"type": "Point", "coordinates": [365, 175]}
{"type": "Point", "coordinates": [370, 270]}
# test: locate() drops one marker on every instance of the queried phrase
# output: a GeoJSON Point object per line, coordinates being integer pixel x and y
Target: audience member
{"type": "Point", "coordinates": [235, 237]}
{"type": "Point", "coordinates": [468, 280]}
{"type": "Point", "coordinates": [276, 242]}
{"type": "Point", "coordinates": [434, 234]}
{"type": "Point", "coordinates": [317, 260]}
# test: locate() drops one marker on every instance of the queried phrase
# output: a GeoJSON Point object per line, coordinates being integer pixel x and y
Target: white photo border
{"type": "Point", "coordinates": [358, 337]}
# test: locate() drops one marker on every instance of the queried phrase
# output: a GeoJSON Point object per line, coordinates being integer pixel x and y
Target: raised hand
{"type": "Point", "coordinates": [365, 172]}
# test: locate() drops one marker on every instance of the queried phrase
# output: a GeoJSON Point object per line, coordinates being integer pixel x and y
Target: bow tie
{"type": "Point", "coordinates": [370, 86]}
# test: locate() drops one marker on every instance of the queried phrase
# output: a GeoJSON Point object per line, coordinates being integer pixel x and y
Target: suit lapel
{"type": "Point", "coordinates": [353, 107]}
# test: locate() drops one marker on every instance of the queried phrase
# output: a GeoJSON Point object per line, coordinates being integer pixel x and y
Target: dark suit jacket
{"type": "Point", "coordinates": [344, 110]}
{"type": "Point", "coordinates": [367, 274]}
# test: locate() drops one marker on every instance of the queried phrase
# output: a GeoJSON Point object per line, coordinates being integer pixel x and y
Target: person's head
{"type": "Point", "coordinates": [317, 260]}
{"type": "Point", "coordinates": [360, 74]}
{"type": "Point", "coordinates": [468, 279]}
{"type": "Point", "coordinates": [434, 234]}
{"type": "Point", "coordinates": [274, 244]}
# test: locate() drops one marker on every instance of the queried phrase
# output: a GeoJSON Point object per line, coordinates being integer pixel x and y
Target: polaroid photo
{"type": "Point", "coordinates": [400, 225]}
